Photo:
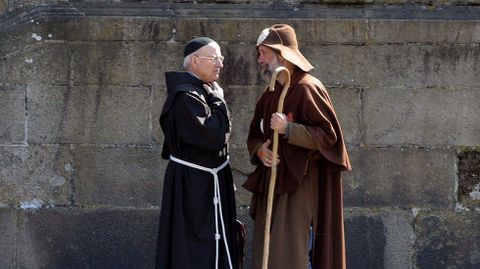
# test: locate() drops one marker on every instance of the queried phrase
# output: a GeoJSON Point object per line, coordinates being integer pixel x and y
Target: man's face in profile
{"type": "Point", "coordinates": [268, 61]}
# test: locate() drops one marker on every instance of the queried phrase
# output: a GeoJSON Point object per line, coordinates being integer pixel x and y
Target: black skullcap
{"type": "Point", "coordinates": [196, 43]}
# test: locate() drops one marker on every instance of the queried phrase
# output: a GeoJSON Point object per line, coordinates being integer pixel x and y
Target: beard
{"type": "Point", "coordinates": [266, 71]}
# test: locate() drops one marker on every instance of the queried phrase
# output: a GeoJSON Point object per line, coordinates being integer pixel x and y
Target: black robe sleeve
{"type": "Point", "coordinates": [204, 125]}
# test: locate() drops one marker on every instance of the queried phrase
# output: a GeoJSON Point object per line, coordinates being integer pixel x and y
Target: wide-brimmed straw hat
{"type": "Point", "coordinates": [282, 38]}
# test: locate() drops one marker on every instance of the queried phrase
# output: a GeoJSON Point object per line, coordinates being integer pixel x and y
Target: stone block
{"type": "Point", "coordinates": [328, 31]}
{"type": "Point", "coordinates": [396, 65]}
{"type": "Point", "coordinates": [87, 238]}
{"type": "Point", "coordinates": [41, 62]}
{"type": "Point", "coordinates": [240, 160]}
{"type": "Point", "coordinates": [35, 176]}
{"type": "Point", "coordinates": [24, 4]}
{"type": "Point", "coordinates": [454, 65]}
{"type": "Point", "coordinates": [103, 114]}
{"type": "Point", "coordinates": [365, 242]}
{"type": "Point", "coordinates": [3, 6]}
{"type": "Point", "coordinates": [347, 104]}
{"type": "Point", "coordinates": [447, 240]}
{"type": "Point", "coordinates": [343, 65]}
{"type": "Point", "coordinates": [422, 116]}
{"type": "Point", "coordinates": [109, 28]}
{"type": "Point", "coordinates": [240, 66]}
{"type": "Point", "coordinates": [241, 102]}
{"type": "Point", "coordinates": [240, 30]}
{"type": "Point", "coordinates": [158, 99]}
{"type": "Point", "coordinates": [469, 178]}
{"type": "Point", "coordinates": [423, 31]}
{"type": "Point", "coordinates": [124, 63]}
{"type": "Point", "coordinates": [219, 29]}
{"type": "Point", "coordinates": [17, 38]}
{"type": "Point", "coordinates": [378, 239]}
{"type": "Point", "coordinates": [12, 109]}
{"type": "Point", "coordinates": [401, 178]}
{"type": "Point", "coordinates": [7, 244]}
{"type": "Point", "coordinates": [400, 237]}
{"type": "Point", "coordinates": [113, 176]}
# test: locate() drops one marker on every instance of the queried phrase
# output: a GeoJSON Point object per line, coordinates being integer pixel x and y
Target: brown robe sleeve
{"type": "Point", "coordinates": [297, 134]}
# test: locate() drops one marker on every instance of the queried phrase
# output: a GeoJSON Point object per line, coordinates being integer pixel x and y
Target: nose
{"type": "Point", "coordinates": [260, 59]}
{"type": "Point", "coordinates": [219, 63]}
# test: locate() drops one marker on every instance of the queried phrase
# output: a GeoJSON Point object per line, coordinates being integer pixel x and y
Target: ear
{"type": "Point", "coordinates": [193, 60]}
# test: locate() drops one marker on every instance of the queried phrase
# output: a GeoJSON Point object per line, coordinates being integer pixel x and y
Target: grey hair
{"type": "Point", "coordinates": [186, 61]}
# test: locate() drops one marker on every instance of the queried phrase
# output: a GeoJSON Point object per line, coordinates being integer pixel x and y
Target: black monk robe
{"type": "Point", "coordinates": [196, 126]}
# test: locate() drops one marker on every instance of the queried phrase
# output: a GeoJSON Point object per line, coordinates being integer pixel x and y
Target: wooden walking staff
{"type": "Point", "coordinates": [271, 185]}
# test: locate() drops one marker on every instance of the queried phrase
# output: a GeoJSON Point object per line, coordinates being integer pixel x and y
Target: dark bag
{"type": "Point", "coordinates": [241, 241]}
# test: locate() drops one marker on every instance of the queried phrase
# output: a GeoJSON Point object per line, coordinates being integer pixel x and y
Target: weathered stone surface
{"type": "Point", "coordinates": [413, 116]}
{"type": "Point", "coordinates": [347, 104]}
{"type": "Point", "coordinates": [3, 6]}
{"type": "Point", "coordinates": [469, 178]}
{"type": "Point", "coordinates": [159, 96]}
{"type": "Point", "coordinates": [447, 240]}
{"type": "Point", "coordinates": [422, 31]}
{"type": "Point", "coordinates": [401, 178]}
{"type": "Point", "coordinates": [365, 242]}
{"type": "Point", "coordinates": [240, 65]}
{"type": "Point", "coordinates": [40, 62]}
{"type": "Point", "coordinates": [241, 30]}
{"type": "Point", "coordinates": [285, 10]}
{"type": "Point", "coordinates": [405, 65]}
{"type": "Point", "coordinates": [242, 196]}
{"type": "Point", "coordinates": [12, 109]}
{"type": "Point", "coordinates": [240, 160]}
{"type": "Point", "coordinates": [144, 63]}
{"type": "Point", "coordinates": [219, 29]}
{"type": "Point", "coordinates": [109, 28]}
{"type": "Point", "coordinates": [128, 176]}
{"type": "Point", "coordinates": [21, 4]}
{"type": "Point", "coordinates": [35, 176]}
{"type": "Point", "coordinates": [378, 239]}
{"type": "Point", "coordinates": [15, 38]}
{"type": "Point", "coordinates": [89, 114]}
{"type": "Point", "coordinates": [241, 102]}
{"type": "Point", "coordinates": [7, 244]}
{"type": "Point", "coordinates": [326, 31]}
{"type": "Point", "coordinates": [400, 237]}
{"type": "Point", "coordinates": [87, 238]}
{"type": "Point", "coordinates": [125, 63]}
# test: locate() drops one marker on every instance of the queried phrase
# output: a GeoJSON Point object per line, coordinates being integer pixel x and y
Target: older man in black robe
{"type": "Point", "coordinates": [197, 220]}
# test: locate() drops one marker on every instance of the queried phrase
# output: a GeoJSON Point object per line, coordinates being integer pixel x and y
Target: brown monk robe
{"type": "Point", "coordinates": [309, 188]}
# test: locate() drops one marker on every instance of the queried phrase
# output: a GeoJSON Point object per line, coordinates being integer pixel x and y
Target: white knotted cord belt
{"type": "Point", "coordinates": [217, 203]}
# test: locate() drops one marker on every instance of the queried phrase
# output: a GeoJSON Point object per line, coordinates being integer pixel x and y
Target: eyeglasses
{"type": "Point", "coordinates": [212, 58]}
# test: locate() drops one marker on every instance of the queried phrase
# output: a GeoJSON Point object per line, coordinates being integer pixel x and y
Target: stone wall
{"type": "Point", "coordinates": [82, 85]}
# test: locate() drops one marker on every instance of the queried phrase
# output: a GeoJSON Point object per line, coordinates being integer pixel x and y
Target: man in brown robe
{"type": "Point", "coordinates": [312, 153]}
